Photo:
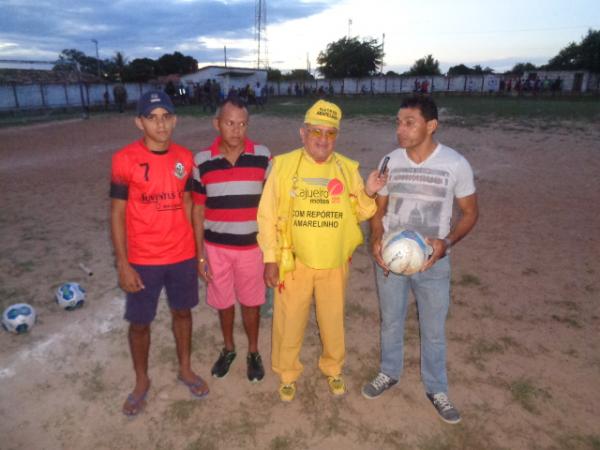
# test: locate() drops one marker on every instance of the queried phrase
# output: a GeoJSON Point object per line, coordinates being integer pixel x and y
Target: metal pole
{"type": "Point", "coordinates": [382, 51]}
{"type": "Point", "coordinates": [97, 58]}
{"type": "Point", "coordinates": [83, 104]}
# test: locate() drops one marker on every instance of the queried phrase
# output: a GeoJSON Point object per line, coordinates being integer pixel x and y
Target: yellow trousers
{"type": "Point", "coordinates": [291, 312]}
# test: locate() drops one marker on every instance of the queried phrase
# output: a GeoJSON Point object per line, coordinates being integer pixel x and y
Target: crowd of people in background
{"type": "Point", "coordinates": [531, 85]}
{"type": "Point", "coordinates": [210, 93]}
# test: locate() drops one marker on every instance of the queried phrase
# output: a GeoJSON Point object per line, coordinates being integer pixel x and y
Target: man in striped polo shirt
{"type": "Point", "coordinates": [228, 181]}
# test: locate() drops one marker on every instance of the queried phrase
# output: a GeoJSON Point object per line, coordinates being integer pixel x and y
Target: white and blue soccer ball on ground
{"type": "Point", "coordinates": [70, 296]}
{"type": "Point", "coordinates": [19, 318]}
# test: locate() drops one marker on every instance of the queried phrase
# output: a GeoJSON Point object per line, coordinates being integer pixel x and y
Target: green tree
{"type": "Point", "coordinates": [478, 70]}
{"type": "Point", "coordinates": [274, 74]}
{"type": "Point", "coordinates": [299, 74]}
{"type": "Point", "coordinates": [520, 68]}
{"type": "Point", "coordinates": [425, 66]}
{"type": "Point", "coordinates": [69, 57]}
{"type": "Point", "coordinates": [177, 63]}
{"type": "Point", "coordinates": [350, 57]}
{"type": "Point", "coordinates": [116, 68]}
{"type": "Point", "coordinates": [460, 69]}
{"type": "Point", "coordinates": [391, 73]}
{"type": "Point", "coordinates": [140, 70]}
{"type": "Point", "coordinates": [582, 56]}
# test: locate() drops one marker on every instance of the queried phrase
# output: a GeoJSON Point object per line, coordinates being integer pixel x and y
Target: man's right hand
{"type": "Point", "coordinates": [203, 271]}
{"type": "Point", "coordinates": [129, 280]}
{"type": "Point", "coordinates": [376, 247]}
{"type": "Point", "coordinates": [271, 274]}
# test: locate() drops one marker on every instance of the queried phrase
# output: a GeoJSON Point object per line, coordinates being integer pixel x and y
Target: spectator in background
{"type": "Point", "coordinates": [120, 96]}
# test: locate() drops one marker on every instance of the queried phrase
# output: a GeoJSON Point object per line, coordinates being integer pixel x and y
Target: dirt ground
{"type": "Point", "coordinates": [523, 332]}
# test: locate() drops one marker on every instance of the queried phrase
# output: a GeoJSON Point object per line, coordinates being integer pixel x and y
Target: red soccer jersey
{"type": "Point", "coordinates": [158, 230]}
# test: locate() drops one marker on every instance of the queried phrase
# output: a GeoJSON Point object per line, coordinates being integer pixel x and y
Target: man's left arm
{"type": "Point", "coordinates": [469, 213]}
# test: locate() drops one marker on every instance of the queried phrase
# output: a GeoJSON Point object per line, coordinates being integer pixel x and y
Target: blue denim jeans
{"type": "Point", "coordinates": [432, 292]}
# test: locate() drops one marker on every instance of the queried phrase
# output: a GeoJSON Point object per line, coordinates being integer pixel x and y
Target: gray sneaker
{"type": "Point", "coordinates": [448, 413]}
{"type": "Point", "coordinates": [376, 387]}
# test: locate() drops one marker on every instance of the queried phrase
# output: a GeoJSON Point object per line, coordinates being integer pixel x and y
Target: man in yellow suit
{"type": "Point", "coordinates": [308, 228]}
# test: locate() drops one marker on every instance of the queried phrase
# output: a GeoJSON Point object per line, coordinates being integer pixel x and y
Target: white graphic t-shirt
{"type": "Point", "coordinates": [421, 195]}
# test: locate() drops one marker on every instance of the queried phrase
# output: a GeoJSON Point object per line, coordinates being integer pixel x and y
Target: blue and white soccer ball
{"type": "Point", "coordinates": [18, 318]}
{"type": "Point", "coordinates": [70, 296]}
{"type": "Point", "coordinates": [405, 252]}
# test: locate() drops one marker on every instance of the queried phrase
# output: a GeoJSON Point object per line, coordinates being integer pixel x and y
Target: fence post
{"type": "Point", "coordinates": [83, 106]}
{"type": "Point", "coordinates": [42, 94]}
{"type": "Point", "coordinates": [14, 87]}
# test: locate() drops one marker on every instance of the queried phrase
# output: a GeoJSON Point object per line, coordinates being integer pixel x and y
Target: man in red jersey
{"type": "Point", "coordinates": [228, 181]}
{"type": "Point", "coordinates": [153, 240]}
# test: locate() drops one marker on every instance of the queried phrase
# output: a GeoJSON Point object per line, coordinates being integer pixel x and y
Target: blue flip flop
{"type": "Point", "coordinates": [136, 404]}
{"type": "Point", "coordinates": [193, 386]}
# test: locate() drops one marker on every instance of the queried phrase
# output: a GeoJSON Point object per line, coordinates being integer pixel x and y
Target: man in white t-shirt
{"type": "Point", "coordinates": [425, 177]}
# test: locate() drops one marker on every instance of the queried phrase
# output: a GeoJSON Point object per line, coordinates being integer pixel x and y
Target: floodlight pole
{"type": "Point", "coordinates": [382, 51]}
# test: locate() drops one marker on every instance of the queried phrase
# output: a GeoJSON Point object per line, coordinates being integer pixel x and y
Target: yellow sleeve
{"type": "Point", "coordinates": [267, 219]}
{"type": "Point", "coordinates": [365, 205]}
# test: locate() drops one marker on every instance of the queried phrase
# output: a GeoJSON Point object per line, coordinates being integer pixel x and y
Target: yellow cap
{"type": "Point", "coordinates": [324, 113]}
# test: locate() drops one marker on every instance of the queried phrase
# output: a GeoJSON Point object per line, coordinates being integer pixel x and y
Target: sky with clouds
{"type": "Point", "coordinates": [496, 34]}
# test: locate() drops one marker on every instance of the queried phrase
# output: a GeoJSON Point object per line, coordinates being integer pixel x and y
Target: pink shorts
{"type": "Point", "coordinates": [236, 274]}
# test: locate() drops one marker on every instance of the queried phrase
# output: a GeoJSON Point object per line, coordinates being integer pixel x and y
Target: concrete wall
{"type": "Point", "coordinates": [61, 95]}
{"type": "Point", "coordinates": [41, 96]}
{"type": "Point", "coordinates": [489, 83]}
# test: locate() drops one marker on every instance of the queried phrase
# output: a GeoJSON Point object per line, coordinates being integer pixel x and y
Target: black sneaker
{"type": "Point", "coordinates": [256, 371]}
{"type": "Point", "coordinates": [221, 367]}
{"type": "Point", "coordinates": [448, 413]}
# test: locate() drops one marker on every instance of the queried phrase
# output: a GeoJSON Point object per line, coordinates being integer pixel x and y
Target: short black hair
{"type": "Point", "coordinates": [423, 103]}
{"type": "Point", "coordinates": [233, 101]}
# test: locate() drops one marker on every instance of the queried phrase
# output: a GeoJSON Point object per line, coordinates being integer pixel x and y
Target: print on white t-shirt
{"type": "Point", "coordinates": [421, 195]}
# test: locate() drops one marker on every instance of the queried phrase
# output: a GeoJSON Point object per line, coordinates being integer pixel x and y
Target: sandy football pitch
{"type": "Point", "coordinates": [523, 332]}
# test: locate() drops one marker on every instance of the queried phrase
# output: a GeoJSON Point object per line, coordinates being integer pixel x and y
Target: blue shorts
{"type": "Point", "coordinates": [180, 280]}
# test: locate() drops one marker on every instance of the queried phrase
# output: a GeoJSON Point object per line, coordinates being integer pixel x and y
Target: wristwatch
{"type": "Point", "coordinates": [448, 243]}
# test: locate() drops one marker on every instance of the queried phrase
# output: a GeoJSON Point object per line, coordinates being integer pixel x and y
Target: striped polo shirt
{"type": "Point", "coordinates": [230, 193]}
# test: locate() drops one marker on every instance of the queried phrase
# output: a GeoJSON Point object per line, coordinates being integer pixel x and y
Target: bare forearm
{"type": "Point", "coordinates": [469, 215]}
{"type": "Point", "coordinates": [118, 232]}
{"type": "Point", "coordinates": [198, 225]}
{"type": "Point", "coordinates": [464, 225]}
{"type": "Point", "coordinates": [376, 222]}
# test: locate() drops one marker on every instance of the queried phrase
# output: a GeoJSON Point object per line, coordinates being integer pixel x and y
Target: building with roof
{"type": "Point", "coordinates": [227, 77]}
